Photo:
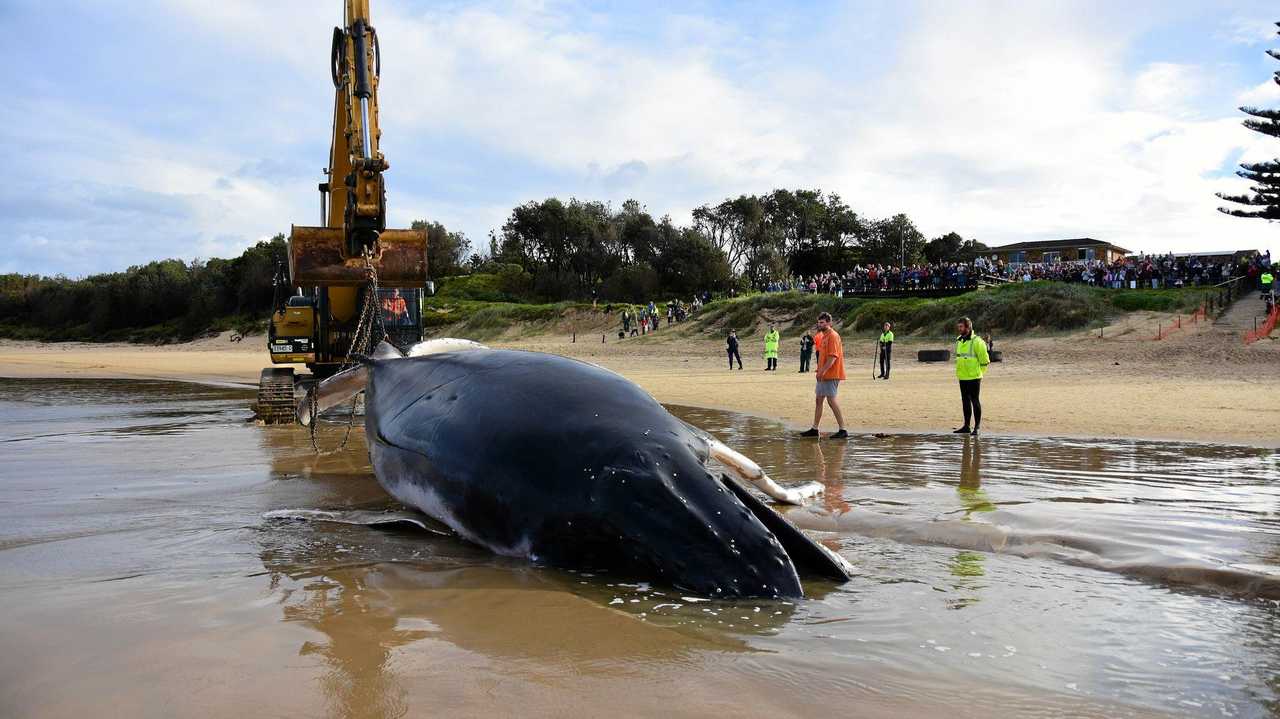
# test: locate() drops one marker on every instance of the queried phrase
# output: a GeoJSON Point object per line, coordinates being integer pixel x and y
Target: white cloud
{"type": "Point", "coordinates": [1266, 94]}
{"type": "Point", "coordinates": [1251, 29]}
{"type": "Point", "coordinates": [1002, 121]}
{"type": "Point", "coordinates": [1168, 87]}
{"type": "Point", "coordinates": [566, 100]}
{"type": "Point", "coordinates": [112, 196]}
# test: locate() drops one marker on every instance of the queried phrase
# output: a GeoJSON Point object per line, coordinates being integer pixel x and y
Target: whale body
{"type": "Point", "coordinates": [571, 465]}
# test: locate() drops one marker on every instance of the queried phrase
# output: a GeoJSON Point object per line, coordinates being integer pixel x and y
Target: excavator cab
{"type": "Point", "coordinates": [351, 281]}
{"type": "Point", "coordinates": [291, 336]}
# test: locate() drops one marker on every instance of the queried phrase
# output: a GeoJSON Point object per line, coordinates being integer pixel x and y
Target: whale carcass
{"type": "Point", "coordinates": [565, 463]}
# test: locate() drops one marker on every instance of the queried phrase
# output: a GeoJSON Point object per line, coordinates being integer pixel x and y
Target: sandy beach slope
{"type": "Point", "coordinates": [1200, 384]}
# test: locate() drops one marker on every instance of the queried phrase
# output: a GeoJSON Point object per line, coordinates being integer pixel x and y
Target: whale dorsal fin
{"type": "Point", "coordinates": [386, 350]}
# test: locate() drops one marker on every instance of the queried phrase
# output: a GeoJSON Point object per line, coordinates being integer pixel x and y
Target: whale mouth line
{"type": "Point", "coordinates": [362, 518]}
{"type": "Point", "coordinates": [809, 557]}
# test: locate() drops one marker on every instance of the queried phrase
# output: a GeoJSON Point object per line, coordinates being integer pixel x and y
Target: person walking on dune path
{"type": "Point", "coordinates": [830, 373]}
{"type": "Point", "coordinates": [731, 346]}
{"type": "Point", "coordinates": [971, 363]}
{"type": "Point", "coordinates": [771, 339]}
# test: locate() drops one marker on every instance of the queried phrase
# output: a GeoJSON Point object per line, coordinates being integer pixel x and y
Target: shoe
{"type": "Point", "coordinates": [811, 432]}
{"type": "Point", "coordinates": [962, 430]}
{"type": "Point", "coordinates": [839, 435]}
{"type": "Point", "coordinates": [974, 432]}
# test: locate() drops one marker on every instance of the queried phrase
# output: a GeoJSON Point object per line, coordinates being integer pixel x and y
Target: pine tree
{"type": "Point", "coordinates": [1264, 175]}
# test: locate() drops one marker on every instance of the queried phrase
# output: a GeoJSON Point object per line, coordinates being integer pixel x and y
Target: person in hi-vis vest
{"type": "Point", "coordinates": [886, 349]}
{"type": "Point", "coordinates": [771, 339]}
{"type": "Point", "coordinates": [971, 364]}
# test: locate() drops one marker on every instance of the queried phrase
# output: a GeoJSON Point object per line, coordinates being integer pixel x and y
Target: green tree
{"type": "Point", "coordinates": [951, 247]}
{"type": "Point", "coordinates": [687, 263]}
{"type": "Point", "coordinates": [1265, 176]}
{"type": "Point", "coordinates": [894, 241]}
{"type": "Point", "coordinates": [742, 230]}
{"type": "Point", "coordinates": [568, 248]}
{"type": "Point", "coordinates": [446, 251]}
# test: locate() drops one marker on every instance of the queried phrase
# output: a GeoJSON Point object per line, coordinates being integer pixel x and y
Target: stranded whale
{"type": "Point", "coordinates": [565, 463]}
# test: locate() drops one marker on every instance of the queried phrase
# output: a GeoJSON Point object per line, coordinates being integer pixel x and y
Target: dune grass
{"type": "Point", "coordinates": [1009, 309]}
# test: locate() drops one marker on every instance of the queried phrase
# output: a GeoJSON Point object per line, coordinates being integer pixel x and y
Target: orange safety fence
{"type": "Point", "coordinates": [1163, 331]}
{"type": "Point", "coordinates": [1265, 328]}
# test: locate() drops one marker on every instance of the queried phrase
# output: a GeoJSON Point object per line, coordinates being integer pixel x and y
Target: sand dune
{"type": "Point", "coordinates": [1199, 384]}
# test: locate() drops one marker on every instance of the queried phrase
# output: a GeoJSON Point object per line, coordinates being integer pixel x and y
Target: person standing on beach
{"type": "Point", "coordinates": [732, 349]}
{"type": "Point", "coordinates": [806, 351]}
{"type": "Point", "coordinates": [886, 349]}
{"type": "Point", "coordinates": [971, 362]}
{"type": "Point", "coordinates": [771, 349]}
{"type": "Point", "coordinates": [830, 373]}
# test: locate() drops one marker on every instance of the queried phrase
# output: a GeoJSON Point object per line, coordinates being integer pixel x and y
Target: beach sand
{"type": "Point", "coordinates": [1199, 384]}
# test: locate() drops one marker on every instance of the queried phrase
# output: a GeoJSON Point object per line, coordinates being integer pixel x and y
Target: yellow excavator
{"type": "Point", "coordinates": [350, 282]}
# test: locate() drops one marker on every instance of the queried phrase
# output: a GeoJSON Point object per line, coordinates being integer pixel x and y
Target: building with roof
{"type": "Point", "coordinates": [1080, 249]}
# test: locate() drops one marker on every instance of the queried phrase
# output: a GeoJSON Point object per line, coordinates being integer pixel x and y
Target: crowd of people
{"type": "Point", "coordinates": [649, 317]}
{"type": "Point", "coordinates": [972, 351]}
{"type": "Point", "coordinates": [1141, 271]}
{"type": "Point", "coordinates": [865, 279]}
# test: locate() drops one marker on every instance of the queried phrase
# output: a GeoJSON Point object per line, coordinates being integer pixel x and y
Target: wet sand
{"type": "Point", "coordinates": [146, 571]}
{"type": "Point", "coordinates": [1200, 384]}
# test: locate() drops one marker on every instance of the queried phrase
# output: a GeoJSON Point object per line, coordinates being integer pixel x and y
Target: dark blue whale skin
{"type": "Point", "coordinates": [565, 463]}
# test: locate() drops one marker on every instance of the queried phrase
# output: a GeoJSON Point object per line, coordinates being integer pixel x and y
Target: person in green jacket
{"type": "Point", "coordinates": [971, 363]}
{"type": "Point", "coordinates": [771, 349]}
{"type": "Point", "coordinates": [886, 349]}
{"type": "Point", "coordinates": [1266, 280]}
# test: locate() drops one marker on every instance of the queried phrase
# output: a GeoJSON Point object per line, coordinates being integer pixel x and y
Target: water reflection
{"type": "Point", "coordinates": [969, 488]}
{"type": "Point", "coordinates": [967, 567]}
{"type": "Point", "coordinates": [372, 595]}
{"type": "Point", "coordinates": [1124, 577]}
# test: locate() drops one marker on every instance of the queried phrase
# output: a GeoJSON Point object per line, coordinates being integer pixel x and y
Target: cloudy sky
{"type": "Point", "coordinates": [186, 128]}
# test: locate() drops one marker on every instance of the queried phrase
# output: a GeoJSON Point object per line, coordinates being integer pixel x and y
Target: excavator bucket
{"type": "Point", "coordinates": [316, 258]}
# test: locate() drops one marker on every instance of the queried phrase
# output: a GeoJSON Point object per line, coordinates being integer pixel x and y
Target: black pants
{"type": "Point", "coordinates": [804, 360]}
{"type": "Point", "coordinates": [771, 363]}
{"type": "Point", "coordinates": [732, 355]}
{"type": "Point", "coordinates": [886, 357]}
{"type": "Point", "coordinates": [969, 391]}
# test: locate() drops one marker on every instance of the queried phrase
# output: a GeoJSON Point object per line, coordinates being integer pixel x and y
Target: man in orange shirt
{"type": "Point", "coordinates": [830, 372]}
{"type": "Point", "coordinates": [394, 308]}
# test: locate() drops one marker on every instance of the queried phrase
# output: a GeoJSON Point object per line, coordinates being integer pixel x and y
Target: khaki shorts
{"type": "Point", "coordinates": [827, 387]}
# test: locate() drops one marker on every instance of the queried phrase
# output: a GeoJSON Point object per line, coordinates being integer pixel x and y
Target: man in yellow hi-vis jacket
{"type": "Point", "coordinates": [971, 362]}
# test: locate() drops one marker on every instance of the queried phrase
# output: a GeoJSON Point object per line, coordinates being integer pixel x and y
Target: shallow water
{"type": "Point", "coordinates": [149, 567]}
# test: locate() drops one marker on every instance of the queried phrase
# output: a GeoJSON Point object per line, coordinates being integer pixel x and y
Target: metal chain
{"type": "Point", "coordinates": [362, 338]}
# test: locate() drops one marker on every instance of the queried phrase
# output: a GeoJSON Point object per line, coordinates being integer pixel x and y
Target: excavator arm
{"type": "Point", "coordinates": [354, 200]}
{"type": "Point", "coordinates": [330, 308]}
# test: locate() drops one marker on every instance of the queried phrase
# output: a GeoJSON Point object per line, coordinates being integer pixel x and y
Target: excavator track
{"type": "Point", "coordinates": [276, 403]}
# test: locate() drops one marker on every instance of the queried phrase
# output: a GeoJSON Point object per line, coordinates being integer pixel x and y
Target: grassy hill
{"type": "Point", "coordinates": [1008, 309]}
